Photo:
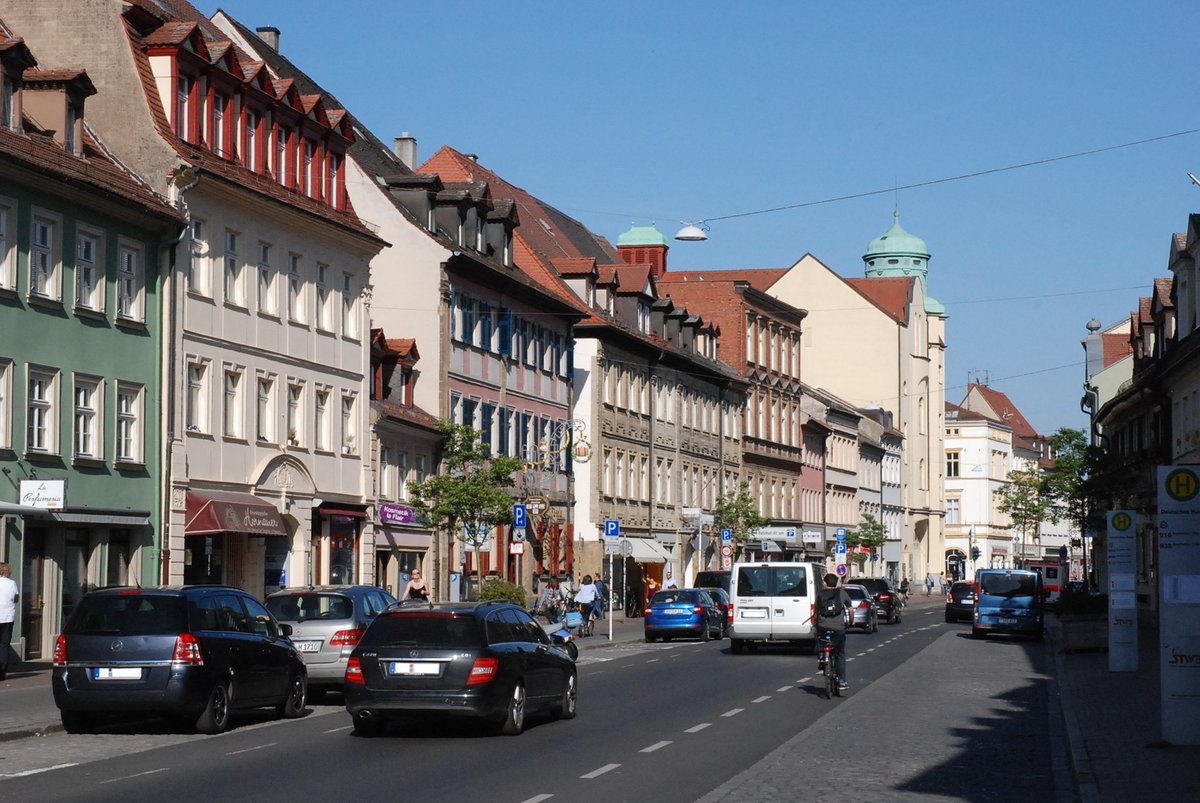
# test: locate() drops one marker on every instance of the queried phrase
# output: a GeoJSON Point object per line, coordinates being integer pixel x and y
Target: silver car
{"type": "Point", "coordinates": [327, 622]}
{"type": "Point", "coordinates": [863, 611]}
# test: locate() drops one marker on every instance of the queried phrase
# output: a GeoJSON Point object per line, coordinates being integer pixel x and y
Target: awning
{"type": "Point", "coordinates": [389, 538]}
{"type": "Point", "coordinates": [14, 509]}
{"type": "Point", "coordinates": [132, 518]}
{"type": "Point", "coordinates": [647, 550]}
{"type": "Point", "coordinates": [326, 510]}
{"type": "Point", "coordinates": [216, 512]}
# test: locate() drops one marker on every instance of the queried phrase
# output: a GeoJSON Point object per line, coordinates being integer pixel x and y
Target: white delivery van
{"type": "Point", "coordinates": [773, 602]}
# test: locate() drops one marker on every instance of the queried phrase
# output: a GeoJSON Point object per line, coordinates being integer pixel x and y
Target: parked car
{"type": "Point", "coordinates": [721, 598]}
{"type": "Point", "coordinates": [714, 579]}
{"type": "Point", "coordinates": [683, 612]}
{"type": "Point", "coordinates": [327, 621]}
{"type": "Point", "coordinates": [488, 661]}
{"type": "Point", "coordinates": [863, 611]}
{"type": "Point", "coordinates": [886, 597]}
{"type": "Point", "coordinates": [960, 602]}
{"type": "Point", "coordinates": [196, 653]}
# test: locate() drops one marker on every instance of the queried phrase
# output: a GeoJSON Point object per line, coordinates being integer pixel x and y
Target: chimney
{"type": "Point", "coordinates": [269, 36]}
{"type": "Point", "coordinates": [405, 148]}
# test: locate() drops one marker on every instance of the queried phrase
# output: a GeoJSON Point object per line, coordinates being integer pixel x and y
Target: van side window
{"type": "Point", "coordinates": [754, 581]}
{"type": "Point", "coordinates": [789, 582]}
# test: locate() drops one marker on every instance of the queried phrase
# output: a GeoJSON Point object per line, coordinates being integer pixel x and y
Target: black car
{"type": "Point", "coordinates": [720, 598]}
{"type": "Point", "coordinates": [960, 602]}
{"type": "Point", "coordinates": [886, 598]}
{"type": "Point", "coordinates": [486, 660]}
{"type": "Point", "coordinates": [194, 653]}
{"type": "Point", "coordinates": [714, 579]}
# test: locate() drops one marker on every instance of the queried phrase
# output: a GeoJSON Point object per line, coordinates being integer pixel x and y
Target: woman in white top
{"type": "Point", "coordinates": [9, 595]}
{"type": "Point", "coordinates": [584, 597]}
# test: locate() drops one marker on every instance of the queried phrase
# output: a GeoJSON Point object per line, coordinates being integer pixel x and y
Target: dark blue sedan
{"type": "Point", "coordinates": [687, 612]}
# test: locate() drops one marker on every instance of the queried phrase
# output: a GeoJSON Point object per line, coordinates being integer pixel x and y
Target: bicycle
{"type": "Point", "coordinates": [588, 613]}
{"type": "Point", "coordinates": [829, 665]}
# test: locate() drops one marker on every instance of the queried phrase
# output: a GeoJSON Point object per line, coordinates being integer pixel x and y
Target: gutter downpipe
{"type": "Point", "coordinates": [173, 313]}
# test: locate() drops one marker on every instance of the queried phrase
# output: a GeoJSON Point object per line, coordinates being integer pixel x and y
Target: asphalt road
{"type": "Point", "coordinates": [662, 722]}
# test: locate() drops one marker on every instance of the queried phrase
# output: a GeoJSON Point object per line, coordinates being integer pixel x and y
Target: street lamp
{"type": "Point", "coordinates": [692, 231]}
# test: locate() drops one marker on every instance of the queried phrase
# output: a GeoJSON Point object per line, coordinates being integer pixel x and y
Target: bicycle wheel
{"type": "Point", "coordinates": [830, 678]}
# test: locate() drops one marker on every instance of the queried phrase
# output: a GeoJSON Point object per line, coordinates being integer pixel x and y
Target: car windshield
{"type": "Point", "coordinates": [1008, 585]}
{"type": "Point", "coordinates": [302, 606]}
{"type": "Point", "coordinates": [673, 597]}
{"type": "Point", "coordinates": [426, 629]}
{"type": "Point", "coordinates": [133, 614]}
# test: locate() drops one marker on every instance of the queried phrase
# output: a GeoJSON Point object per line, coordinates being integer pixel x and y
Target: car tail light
{"type": "Point", "coordinates": [885, 597]}
{"type": "Point", "coordinates": [646, 612]}
{"type": "Point", "coordinates": [354, 673]}
{"type": "Point", "coordinates": [863, 604]}
{"type": "Point", "coordinates": [483, 671]}
{"type": "Point", "coordinates": [698, 609]}
{"type": "Point", "coordinates": [345, 638]}
{"type": "Point", "coordinates": [60, 650]}
{"type": "Point", "coordinates": [187, 650]}
{"type": "Point", "coordinates": [730, 610]}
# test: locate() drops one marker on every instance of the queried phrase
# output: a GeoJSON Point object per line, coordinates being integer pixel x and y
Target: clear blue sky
{"type": "Point", "coordinates": [622, 112]}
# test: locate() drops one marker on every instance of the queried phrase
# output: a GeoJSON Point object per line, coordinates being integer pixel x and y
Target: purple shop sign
{"type": "Point", "coordinates": [396, 514]}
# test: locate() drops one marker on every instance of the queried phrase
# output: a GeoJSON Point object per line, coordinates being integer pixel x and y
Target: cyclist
{"type": "Point", "coordinates": [832, 605]}
{"type": "Point", "coordinates": [585, 598]}
{"type": "Point", "coordinates": [551, 602]}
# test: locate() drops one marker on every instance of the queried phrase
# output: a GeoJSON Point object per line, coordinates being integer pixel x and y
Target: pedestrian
{"type": "Point", "coordinates": [651, 589]}
{"type": "Point", "coordinates": [928, 584]}
{"type": "Point", "coordinates": [551, 601]}
{"type": "Point", "coordinates": [8, 613]}
{"type": "Point", "coordinates": [601, 596]}
{"type": "Point", "coordinates": [669, 582]}
{"type": "Point", "coordinates": [942, 582]}
{"type": "Point", "coordinates": [415, 588]}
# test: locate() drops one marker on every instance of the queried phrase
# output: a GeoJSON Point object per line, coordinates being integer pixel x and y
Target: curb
{"type": "Point", "coordinates": [34, 730]}
{"type": "Point", "coordinates": [1077, 753]}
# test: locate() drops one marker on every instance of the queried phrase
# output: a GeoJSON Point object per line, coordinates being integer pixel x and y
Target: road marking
{"type": "Point", "coordinates": [653, 660]}
{"type": "Point", "coordinates": [764, 698]}
{"type": "Point", "coordinates": [537, 799]}
{"type": "Point", "coordinates": [653, 747]}
{"type": "Point", "coordinates": [872, 649]}
{"type": "Point", "coordinates": [135, 775]}
{"type": "Point", "coordinates": [804, 680]}
{"type": "Point", "coordinates": [252, 749]}
{"type": "Point", "coordinates": [35, 772]}
{"type": "Point", "coordinates": [344, 728]}
{"type": "Point", "coordinates": [698, 728]}
{"type": "Point", "coordinates": [784, 688]}
{"type": "Point", "coordinates": [596, 773]}
{"type": "Point", "coordinates": [733, 712]}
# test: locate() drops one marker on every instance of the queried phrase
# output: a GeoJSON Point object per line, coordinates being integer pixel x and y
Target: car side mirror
{"type": "Point", "coordinates": [285, 630]}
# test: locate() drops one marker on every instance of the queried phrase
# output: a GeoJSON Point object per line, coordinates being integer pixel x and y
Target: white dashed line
{"type": "Point", "coordinates": [733, 712]}
{"type": "Point", "coordinates": [653, 660]}
{"type": "Point", "coordinates": [653, 747]}
{"type": "Point", "coordinates": [784, 688]}
{"type": "Point", "coordinates": [698, 728]}
{"type": "Point", "coordinates": [251, 749]}
{"type": "Point", "coordinates": [35, 772]}
{"type": "Point", "coordinates": [804, 680]}
{"type": "Point", "coordinates": [762, 699]}
{"type": "Point", "coordinates": [596, 773]}
{"type": "Point", "coordinates": [537, 799]}
{"type": "Point", "coordinates": [343, 728]}
{"type": "Point", "coordinates": [135, 775]}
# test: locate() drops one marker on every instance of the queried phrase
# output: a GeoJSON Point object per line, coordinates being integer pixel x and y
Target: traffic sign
{"type": "Point", "coordinates": [537, 505]}
{"type": "Point", "coordinates": [874, 556]}
{"type": "Point", "coordinates": [612, 528]}
{"type": "Point", "coordinates": [726, 534]}
{"type": "Point", "coordinates": [841, 570]}
{"type": "Point", "coordinates": [518, 535]}
{"type": "Point", "coordinates": [626, 548]}
{"type": "Point", "coordinates": [726, 551]}
{"type": "Point", "coordinates": [841, 533]}
{"type": "Point", "coordinates": [839, 548]}
{"type": "Point", "coordinates": [612, 548]}
{"type": "Point", "coordinates": [516, 548]}
{"type": "Point", "coordinates": [520, 517]}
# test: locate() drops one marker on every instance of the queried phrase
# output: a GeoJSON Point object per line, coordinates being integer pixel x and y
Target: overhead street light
{"type": "Point", "coordinates": [692, 231]}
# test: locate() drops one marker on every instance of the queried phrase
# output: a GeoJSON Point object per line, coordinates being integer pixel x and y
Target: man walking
{"type": "Point", "coordinates": [8, 613]}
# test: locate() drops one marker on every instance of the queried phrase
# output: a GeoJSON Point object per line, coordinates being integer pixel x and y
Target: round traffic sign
{"type": "Point", "coordinates": [841, 570]}
{"type": "Point", "coordinates": [726, 550]}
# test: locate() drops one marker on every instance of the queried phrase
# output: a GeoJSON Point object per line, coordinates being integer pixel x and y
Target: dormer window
{"type": "Point", "coordinates": [183, 106]}
{"type": "Point", "coordinates": [69, 140]}
{"type": "Point", "coordinates": [6, 109]}
{"type": "Point", "coordinates": [281, 155]}
{"type": "Point", "coordinates": [217, 137]}
{"type": "Point", "coordinates": [306, 183]}
{"type": "Point", "coordinates": [250, 150]}
{"type": "Point", "coordinates": [334, 184]}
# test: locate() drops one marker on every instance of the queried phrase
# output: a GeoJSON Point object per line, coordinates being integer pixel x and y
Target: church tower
{"type": "Point", "coordinates": [898, 253]}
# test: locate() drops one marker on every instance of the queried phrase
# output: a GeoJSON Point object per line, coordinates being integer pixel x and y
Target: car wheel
{"type": "Point", "coordinates": [977, 633]}
{"type": "Point", "coordinates": [369, 726]}
{"type": "Point", "coordinates": [215, 716]}
{"type": "Point", "coordinates": [572, 650]}
{"type": "Point", "coordinates": [76, 721]}
{"type": "Point", "coordinates": [705, 635]}
{"type": "Point", "coordinates": [566, 707]}
{"type": "Point", "coordinates": [292, 706]}
{"type": "Point", "coordinates": [649, 639]}
{"type": "Point", "coordinates": [737, 646]}
{"type": "Point", "coordinates": [514, 718]}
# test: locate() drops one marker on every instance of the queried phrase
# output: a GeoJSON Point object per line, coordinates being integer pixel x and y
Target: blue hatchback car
{"type": "Point", "coordinates": [683, 613]}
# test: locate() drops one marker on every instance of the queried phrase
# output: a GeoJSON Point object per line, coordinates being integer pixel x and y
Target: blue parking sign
{"type": "Point", "coordinates": [727, 534]}
{"type": "Point", "coordinates": [839, 548]}
{"type": "Point", "coordinates": [612, 528]}
{"type": "Point", "coordinates": [520, 519]}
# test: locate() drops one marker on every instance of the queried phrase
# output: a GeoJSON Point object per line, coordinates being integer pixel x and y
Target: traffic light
{"type": "Point", "coordinates": [974, 553]}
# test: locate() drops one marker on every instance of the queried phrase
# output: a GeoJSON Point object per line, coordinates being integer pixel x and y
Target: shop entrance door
{"type": "Point", "coordinates": [32, 592]}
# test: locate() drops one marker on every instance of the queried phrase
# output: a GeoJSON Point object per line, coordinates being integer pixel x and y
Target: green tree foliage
{"type": "Point", "coordinates": [470, 497]}
{"type": "Point", "coordinates": [1027, 501]}
{"type": "Point", "coordinates": [495, 588]}
{"type": "Point", "coordinates": [736, 511]}
{"type": "Point", "coordinates": [1066, 483]}
{"type": "Point", "coordinates": [870, 533]}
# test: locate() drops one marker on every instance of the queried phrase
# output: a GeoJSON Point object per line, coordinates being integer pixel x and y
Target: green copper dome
{"type": "Point", "coordinates": [642, 235]}
{"type": "Point", "coordinates": [898, 253]}
{"type": "Point", "coordinates": [897, 242]}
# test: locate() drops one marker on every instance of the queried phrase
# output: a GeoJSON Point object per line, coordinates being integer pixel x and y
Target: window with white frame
{"type": "Point", "coordinates": [43, 258]}
{"type": "Point", "coordinates": [264, 409]}
{"type": "Point", "coordinates": [266, 285]}
{"type": "Point", "coordinates": [295, 403]}
{"type": "Point", "coordinates": [281, 156]}
{"type": "Point", "coordinates": [129, 423]}
{"type": "Point", "coordinates": [402, 475]}
{"type": "Point", "coordinates": [295, 290]}
{"type": "Point", "coordinates": [89, 281]}
{"type": "Point", "coordinates": [250, 157]}
{"type": "Point", "coordinates": [183, 103]}
{"type": "Point", "coordinates": [349, 316]}
{"type": "Point", "coordinates": [953, 515]}
{"type": "Point", "coordinates": [87, 437]}
{"type": "Point", "coordinates": [419, 469]}
{"type": "Point", "coordinates": [324, 314]}
{"type": "Point", "coordinates": [306, 177]}
{"type": "Point", "coordinates": [348, 428]}
{"type": "Point", "coordinates": [321, 409]}
{"type": "Point", "coordinates": [198, 269]}
{"type": "Point", "coordinates": [385, 472]}
{"type": "Point", "coordinates": [196, 412]}
{"type": "Point", "coordinates": [8, 250]}
{"type": "Point", "coordinates": [217, 137]}
{"type": "Point", "coordinates": [130, 282]}
{"type": "Point", "coordinates": [333, 190]}
{"type": "Point", "coordinates": [232, 404]}
{"type": "Point", "coordinates": [41, 435]}
{"type": "Point", "coordinates": [6, 371]}
{"type": "Point", "coordinates": [233, 271]}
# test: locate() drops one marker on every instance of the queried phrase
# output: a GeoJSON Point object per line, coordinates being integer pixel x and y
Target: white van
{"type": "Point", "coordinates": [773, 602]}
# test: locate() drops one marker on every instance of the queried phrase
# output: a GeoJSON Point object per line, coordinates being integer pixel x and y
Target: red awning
{"type": "Point", "coordinates": [342, 511]}
{"type": "Point", "coordinates": [216, 512]}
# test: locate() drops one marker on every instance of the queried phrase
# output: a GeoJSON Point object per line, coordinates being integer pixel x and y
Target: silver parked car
{"type": "Point", "coordinates": [864, 612]}
{"type": "Point", "coordinates": [327, 622]}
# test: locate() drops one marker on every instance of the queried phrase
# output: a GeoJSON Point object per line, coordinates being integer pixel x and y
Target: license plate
{"type": "Point", "coordinates": [967, 602]}
{"type": "Point", "coordinates": [754, 614]}
{"type": "Point", "coordinates": [1005, 620]}
{"type": "Point", "coordinates": [412, 668]}
{"type": "Point", "coordinates": [675, 612]}
{"type": "Point", "coordinates": [116, 673]}
{"type": "Point", "coordinates": [308, 646]}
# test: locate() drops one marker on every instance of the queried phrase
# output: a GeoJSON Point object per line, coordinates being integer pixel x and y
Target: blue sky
{"type": "Point", "coordinates": [622, 112]}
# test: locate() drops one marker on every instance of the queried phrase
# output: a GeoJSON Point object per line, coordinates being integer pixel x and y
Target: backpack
{"type": "Point", "coordinates": [829, 603]}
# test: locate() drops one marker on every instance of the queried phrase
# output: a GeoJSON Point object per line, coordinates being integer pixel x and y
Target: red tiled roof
{"type": "Point", "coordinates": [574, 266]}
{"type": "Point", "coordinates": [1116, 347]}
{"type": "Point", "coordinates": [632, 279]}
{"type": "Point", "coordinates": [170, 34]}
{"type": "Point", "coordinates": [34, 75]}
{"type": "Point", "coordinates": [1004, 410]}
{"type": "Point", "coordinates": [892, 294]}
{"type": "Point", "coordinates": [760, 279]}
{"type": "Point", "coordinates": [412, 415]}
{"type": "Point", "coordinates": [1162, 290]}
{"type": "Point", "coordinates": [1143, 313]}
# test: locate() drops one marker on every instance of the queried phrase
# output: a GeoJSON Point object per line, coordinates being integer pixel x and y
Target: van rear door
{"type": "Point", "coordinates": [751, 591]}
{"type": "Point", "coordinates": [792, 606]}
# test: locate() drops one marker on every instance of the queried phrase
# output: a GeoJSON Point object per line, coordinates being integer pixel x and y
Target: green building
{"type": "Point", "coordinates": [83, 246]}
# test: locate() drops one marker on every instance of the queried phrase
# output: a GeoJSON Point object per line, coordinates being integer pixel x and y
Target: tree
{"type": "Point", "coordinates": [1027, 501]}
{"type": "Point", "coordinates": [870, 533]}
{"type": "Point", "coordinates": [736, 511]}
{"type": "Point", "coordinates": [469, 498]}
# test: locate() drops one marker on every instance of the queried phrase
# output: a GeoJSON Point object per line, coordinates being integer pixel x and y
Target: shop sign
{"type": "Point", "coordinates": [46, 494]}
{"type": "Point", "coordinates": [396, 514]}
